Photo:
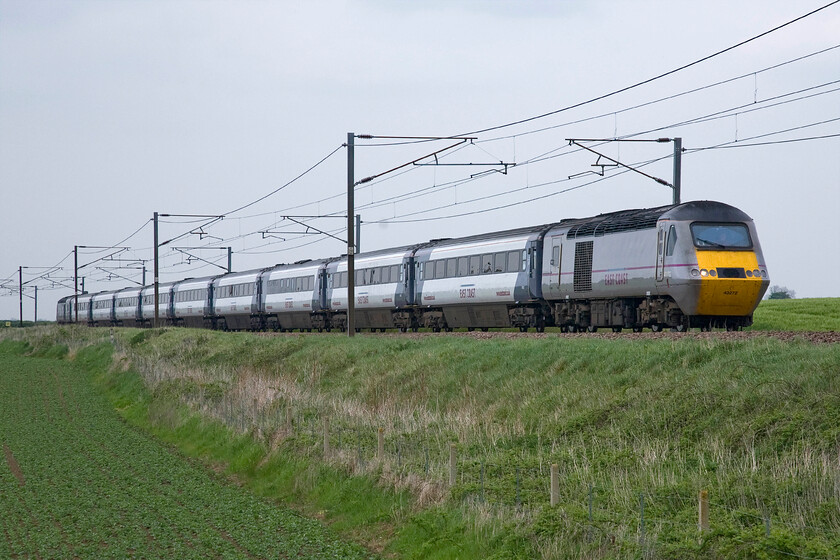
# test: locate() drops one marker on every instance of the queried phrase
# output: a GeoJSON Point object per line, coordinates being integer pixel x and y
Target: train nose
{"type": "Point", "coordinates": [731, 282]}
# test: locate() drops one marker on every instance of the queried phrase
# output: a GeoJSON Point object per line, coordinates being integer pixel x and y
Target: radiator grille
{"type": "Point", "coordinates": [583, 266]}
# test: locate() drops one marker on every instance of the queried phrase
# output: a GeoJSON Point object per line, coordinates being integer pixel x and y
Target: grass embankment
{"type": "Point", "coordinates": [756, 422]}
{"type": "Point", "coordinates": [82, 484]}
{"type": "Point", "coordinates": [815, 314]}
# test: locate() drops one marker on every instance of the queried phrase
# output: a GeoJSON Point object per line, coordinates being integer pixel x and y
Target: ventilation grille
{"type": "Point", "coordinates": [628, 220]}
{"type": "Point", "coordinates": [583, 266]}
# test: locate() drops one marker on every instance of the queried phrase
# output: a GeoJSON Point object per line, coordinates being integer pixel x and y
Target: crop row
{"type": "Point", "coordinates": [94, 487]}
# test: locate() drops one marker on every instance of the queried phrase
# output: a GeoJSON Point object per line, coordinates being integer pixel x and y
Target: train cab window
{"type": "Point", "coordinates": [396, 273]}
{"type": "Point", "coordinates": [475, 265]}
{"type": "Point", "coordinates": [451, 268]}
{"type": "Point", "coordinates": [721, 236]}
{"type": "Point", "coordinates": [440, 269]}
{"type": "Point", "coordinates": [486, 264]}
{"type": "Point", "coordinates": [672, 241]}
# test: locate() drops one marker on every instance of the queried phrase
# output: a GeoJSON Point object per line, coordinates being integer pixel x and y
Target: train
{"type": "Point", "coordinates": [692, 265]}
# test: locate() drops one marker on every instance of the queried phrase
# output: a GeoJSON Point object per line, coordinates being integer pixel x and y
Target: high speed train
{"type": "Point", "coordinates": [697, 264]}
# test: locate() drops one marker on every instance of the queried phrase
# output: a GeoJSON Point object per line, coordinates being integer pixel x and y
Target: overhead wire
{"type": "Point", "coordinates": [654, 78]}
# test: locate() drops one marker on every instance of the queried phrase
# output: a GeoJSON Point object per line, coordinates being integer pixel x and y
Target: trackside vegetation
{"type": "Point", "coordinates": [360, 432]}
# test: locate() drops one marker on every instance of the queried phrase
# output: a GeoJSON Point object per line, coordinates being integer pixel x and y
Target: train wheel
{"type": "Point", "coordinates": [523, 329]}
{"type": "Point", "coordinates": [470, 329]}
{"type": "Point", "coordinates": [449, 329]}
{"type": "Point", "coordinates": [656, 327]}
{"type": "Point", "coordinates": [415, 329]}
{"type": "Point", "coordinates": [540, 328]}
{"type": "Point", "coordinates": [572, 329]}
{"type": "Point", "coordinates": [680, 328]}
{"type": "Point", "coordinates": [616, 329]}
{"type": "Point", "coordinates": [403, 329]}
{"type": "Point", "coordinates": [637, 329]}
{"type": "Point", "coordinates": [591, 328]}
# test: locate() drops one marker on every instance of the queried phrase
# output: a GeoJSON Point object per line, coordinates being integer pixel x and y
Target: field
{"type": "Point", "coordinates": [815, 314]}
{"type": "Point", "coordinates": [359, 432]}
{"type": "Point", "coordinates": [77, 482]}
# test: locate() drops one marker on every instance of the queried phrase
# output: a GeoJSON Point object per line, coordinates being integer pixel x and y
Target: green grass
{"type": "Point", "coordinates": [817, 314]}
{"type": "Point", "coordinates": [756, 422]}
{"type": "Point", "coordinates": [79, 483]}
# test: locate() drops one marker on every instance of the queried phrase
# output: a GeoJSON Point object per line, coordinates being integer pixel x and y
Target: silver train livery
{"type": "Point", "coordinates": [697, 264]}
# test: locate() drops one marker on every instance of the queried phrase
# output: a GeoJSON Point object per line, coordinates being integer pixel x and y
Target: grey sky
{"type": "Point", "coordinates": [110, 111]}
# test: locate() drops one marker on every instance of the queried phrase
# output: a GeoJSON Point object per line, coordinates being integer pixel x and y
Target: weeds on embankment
{"type": "Point", "coordinates": [636, 426]}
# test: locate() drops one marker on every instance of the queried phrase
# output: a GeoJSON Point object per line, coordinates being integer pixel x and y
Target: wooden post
{"type": "Point", "coordinates": [555, 484]}
{"type": "Point", "coordinates": [703, 515]}
{"type": "Point", "coordinates": [380, 444]}
{"type": "Point", "coordinates": [453, 465]}
{"type": "Point", "coordinates": [326, 438]}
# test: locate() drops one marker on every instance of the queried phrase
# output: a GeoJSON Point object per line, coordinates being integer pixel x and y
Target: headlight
{"type": "Point", "coordinates": [749, 273]}
{"type": "Point", "coordinates": [764, 274]}
{"type": "Point", "coordinates": [756, 273]}
{"type": "Point", "coordinates": [713, 273]}
{"type": "Point", "coordinates": [695, 273]}
{"type": "Point", "coordinates": [704, 272]}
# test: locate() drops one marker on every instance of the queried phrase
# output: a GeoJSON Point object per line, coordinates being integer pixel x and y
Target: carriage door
{"type": "Point", "coordinates": [555, 266]}
{"type": "Point", "coordinates": [660, 253]}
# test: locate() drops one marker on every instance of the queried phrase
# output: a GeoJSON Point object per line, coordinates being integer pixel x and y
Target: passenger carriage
{"type": "Point", "coordinates": [236, 301]}
{"type": "Point", "coordinates": [293, 297]}
{"type": "Point", "coordinates": [192, 303]}
{"type": "Point", "coordinates": [102, 309]}
{"type": "Point", "coordinates": [127, 307]}
{"type": "Point", "coordinates": [381, 289]}
{"type": "Point", "coordinates": [147, 305]}
{"type": "Point", "coordinates": [481, 281]}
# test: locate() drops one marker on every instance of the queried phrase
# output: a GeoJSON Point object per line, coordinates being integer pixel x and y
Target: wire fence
{"type": "Point", "coordinates": [524, 488]}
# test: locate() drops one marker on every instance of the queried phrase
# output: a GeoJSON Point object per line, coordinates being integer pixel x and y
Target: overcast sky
{"type": "Point", "coordinates": [112, 110]}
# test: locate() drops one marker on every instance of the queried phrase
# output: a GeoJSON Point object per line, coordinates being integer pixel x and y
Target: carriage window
{"type": "Point", "coordinates": [487, 264]}
{"type": "Point", "coordinates": [500, 262]}
{"type": "Point", "coordinates": [451, 268]}
{"type": "Point", "coordinates": [385, 275]}
{"type": "Point", "coordinates": [373, 276]}
{"type": "Point", "coordinates": [440, 269]}
{"type": "Point", "coordinates": [396, 275]}
{"type": "Point", "coordinates": [463, 266]}
{"type": "Point", "coordinates": [475, 265]}
{"type": "Point", "coordinates": [513, 261]}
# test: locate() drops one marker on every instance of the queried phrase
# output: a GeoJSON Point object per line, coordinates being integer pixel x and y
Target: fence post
{"type": "Point", "coordinates": [703, 513]}
{"type": "Point", "coordinates": [452, 465]}
{"type": "Point", "coordinates": [642, 518]}
{"type": "Point", "coordinates": [518, 497]}
{"type": "Point", "coordinates": [555, 484]}
{"type": "Point", "coordinates": [380, 447]}
{"type": "Point", "coordinates": [326, 438]}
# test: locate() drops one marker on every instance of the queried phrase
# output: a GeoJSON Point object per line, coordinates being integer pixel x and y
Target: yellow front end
{"type": "Point", "coordinates": [731, 283]}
